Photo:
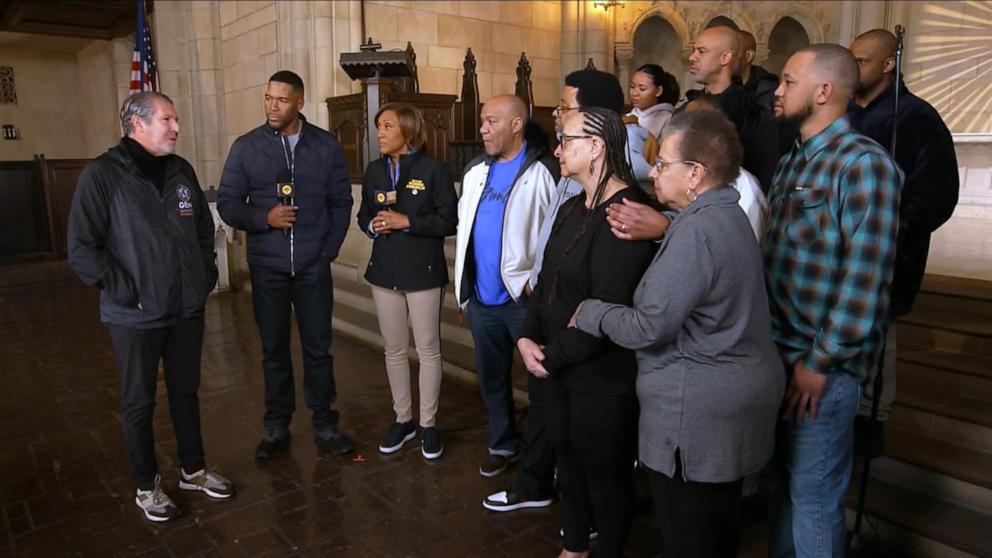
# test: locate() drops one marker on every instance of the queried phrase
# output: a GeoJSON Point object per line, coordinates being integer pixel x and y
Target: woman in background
{"type": "Point", "coordinates": [653, 93]}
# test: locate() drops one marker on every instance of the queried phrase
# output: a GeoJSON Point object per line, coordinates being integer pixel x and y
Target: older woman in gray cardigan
{"type": "Point", "coordinates": [710, 380]}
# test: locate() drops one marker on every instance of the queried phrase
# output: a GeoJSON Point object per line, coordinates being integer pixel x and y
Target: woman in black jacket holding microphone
{"type": "Point", "coordinates": [408, 206]}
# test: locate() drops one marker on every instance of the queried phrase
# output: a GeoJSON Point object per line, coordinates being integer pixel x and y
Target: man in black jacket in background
{"type": "Point", "coordinates": [755, 79]}
{"type": "Point", "coordinates": [925, 154]}
{"type": "Point", "coordinates": [290, 249]}
{"type": "Point", "coordinates": [141, 231]}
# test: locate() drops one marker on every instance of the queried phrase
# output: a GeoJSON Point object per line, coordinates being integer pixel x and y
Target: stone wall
{"type": "Point", "coordinates": [497, 32]}
{"type": "Point", "coordinates": [104, 79]}
{"type": "Point", "coordinates": [49, 119]}
{"type": "Point", "coordinates": [215, 57]}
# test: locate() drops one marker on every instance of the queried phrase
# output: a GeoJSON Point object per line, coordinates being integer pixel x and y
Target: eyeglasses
{"type": "Point", "coordinates": [562, 110]}
{"type": "Point", "coordinates": [660, 164]}
{"type": "Point", "coordinates": [563, 137]}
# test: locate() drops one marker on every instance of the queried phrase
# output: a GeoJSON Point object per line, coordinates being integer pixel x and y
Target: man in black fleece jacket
{"type": "Point", "coordinates": [141, 231]}
{"type": "Point", "coordinates": [290, 249]}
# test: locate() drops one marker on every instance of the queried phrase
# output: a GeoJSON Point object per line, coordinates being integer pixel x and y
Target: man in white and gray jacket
{"type": "Point", "coordinates": [505, 195]}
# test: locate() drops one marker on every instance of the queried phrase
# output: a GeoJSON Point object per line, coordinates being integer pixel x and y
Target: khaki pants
{"type": "Point", "coordinates": [422, 309]}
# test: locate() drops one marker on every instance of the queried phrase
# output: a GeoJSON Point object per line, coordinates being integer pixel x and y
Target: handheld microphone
{"type": "Point", "coordinates": [385, 198]}
{"type": "Point", "coordinates": [285, 191]}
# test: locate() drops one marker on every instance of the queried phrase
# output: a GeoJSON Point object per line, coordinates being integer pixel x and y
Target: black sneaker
{"type": "Point", "coordinates": [504, 501]}
{"type": "Point", "coordinates": [430, 443]}
{"type": "Point", "coordinates": [399, 434]}
{"type": "Point", "coordinates": [272, 445]}
{"type": "Point", "coordinates": [496, 464]}
{"type": "Point", "coordinates": [334, 440]}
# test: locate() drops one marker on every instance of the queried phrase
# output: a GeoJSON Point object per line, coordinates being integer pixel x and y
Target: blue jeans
{"type": "Point", "coordinates": [495, 330]}
{"type": "Point", "coordinates": [808, 519]}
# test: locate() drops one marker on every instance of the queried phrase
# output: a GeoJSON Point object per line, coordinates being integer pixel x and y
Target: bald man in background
{"type": "Point", "coordinates": [925, 153]}
{"type": "Point", "coordinates": [505, 195]}
{"type": "Point", "coordinates": [755, 79]}
{"type": "Point", "coordinates": [829, 253]}
{"type": "Point", "coordinates": [712, 63]}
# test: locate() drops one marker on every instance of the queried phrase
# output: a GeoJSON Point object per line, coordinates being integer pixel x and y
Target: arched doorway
{"type": "Point", "coordinates": [724, 21]}
{"type": "Point", "coordinates": [656, 42]}
{"type": "Point", "coordinates": [787, 37]}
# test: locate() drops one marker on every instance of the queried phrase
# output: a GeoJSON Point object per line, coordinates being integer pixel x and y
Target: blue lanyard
{"type": "Point", "coordinates": [394, 171]}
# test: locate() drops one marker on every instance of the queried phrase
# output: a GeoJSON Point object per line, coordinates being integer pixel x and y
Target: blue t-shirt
{"type": "Point", "coordinates": [487, 233]}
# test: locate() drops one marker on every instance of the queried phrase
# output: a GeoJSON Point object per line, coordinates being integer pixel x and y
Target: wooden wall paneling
{"type": "Point", "coordinates": [347, 121]}
{"type": "Point", "coordinates": [22, 212]}
{"type": "Point", "coordinates": [59, 177]}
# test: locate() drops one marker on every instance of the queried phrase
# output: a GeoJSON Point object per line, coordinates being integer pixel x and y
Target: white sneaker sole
{"type": "Point", "coordinates": [183, 485]}
{"type": "Point", "coordinates": [397, 447]}
{"type": "Point", "coordinates": [150, 517]}
{"type": "Point", "coordinates": [431, 455]}
{"type": "Point", "coordinates": [497, 507]}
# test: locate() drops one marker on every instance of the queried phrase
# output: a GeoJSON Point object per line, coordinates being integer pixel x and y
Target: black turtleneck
{"type": "Point", "coordinates": [151, 166]}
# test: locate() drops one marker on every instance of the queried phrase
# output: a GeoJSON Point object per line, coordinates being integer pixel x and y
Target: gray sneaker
{"type": "Point", "coordinates": [156, 504]}
{"type": "Point", "coordinates": [211, 484]}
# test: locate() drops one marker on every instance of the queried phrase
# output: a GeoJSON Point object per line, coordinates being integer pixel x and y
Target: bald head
{"type": "Point", "coordinates": [747, 40]}
{"type": "Point", "coordinates": [503, 121]}
{"type": "Point", "coordinates": [511, 105]}
{"type": "Point", "coordinates": [745, 56]}
{"type": "Point", "coordinates": [881, 40]}
{"type": "Point", "coordinates": [722, 37]}
{"type": "Point", "coordinates": [713, 58]}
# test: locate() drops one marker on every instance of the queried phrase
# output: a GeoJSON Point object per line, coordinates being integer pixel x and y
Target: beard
{"type": "Point", "coordinates": [796, 118]}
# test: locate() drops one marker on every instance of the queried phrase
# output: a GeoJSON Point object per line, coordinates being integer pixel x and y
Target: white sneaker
{"type": "Point", "coordinates": [156, 504]}
{"type": "Point", "coordinates": [211, 484]}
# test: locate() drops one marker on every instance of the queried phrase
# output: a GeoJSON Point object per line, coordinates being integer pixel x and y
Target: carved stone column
{"type": "Point", "coordinates": [624, 54]}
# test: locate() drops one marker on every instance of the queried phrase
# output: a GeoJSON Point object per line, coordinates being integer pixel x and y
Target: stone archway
{"type": "Point", "coordinates": [655, 42]}
{"type": "Point", "coordinates": [724, 21]}
{"type": "Point", "coordinates": [786, 37]}
{"type": "Point", "coordinates": [673, 36]}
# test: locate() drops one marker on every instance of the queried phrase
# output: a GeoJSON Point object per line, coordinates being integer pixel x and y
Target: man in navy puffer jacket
{"type": "Point", "coordinates": [290, 247]}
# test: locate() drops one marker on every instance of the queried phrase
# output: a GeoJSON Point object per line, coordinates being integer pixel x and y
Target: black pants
{"type": "Point", "coordinates": [698, 519]}
{"type": "Point", "coordinates": [138, 353]}
{"type": "Point", "coordinates": [274, 295]}
{"type": "Point", "coordinates": [535, 477]}
{"type": "Point", "coordinates": [594, 438]}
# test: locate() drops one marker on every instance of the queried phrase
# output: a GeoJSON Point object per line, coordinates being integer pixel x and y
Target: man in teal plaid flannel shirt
{"type": "Point", "coordinates": [829, 253]}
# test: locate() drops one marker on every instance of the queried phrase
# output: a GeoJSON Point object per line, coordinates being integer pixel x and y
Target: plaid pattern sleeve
{"type": "Point", "coordinates": [830, 248]}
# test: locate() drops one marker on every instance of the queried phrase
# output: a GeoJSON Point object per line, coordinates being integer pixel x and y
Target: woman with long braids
{"type": "Point", "coordinates": [591, 401]}
{"type": "Point", "coordinates": [710, 379]}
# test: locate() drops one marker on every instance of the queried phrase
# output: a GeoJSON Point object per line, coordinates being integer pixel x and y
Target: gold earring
{"type": "Point", "coordinates": [592, 169]}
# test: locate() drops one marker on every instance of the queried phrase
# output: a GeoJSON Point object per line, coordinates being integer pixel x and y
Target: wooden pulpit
{"type": "Point", "coordinates": [386, 76]}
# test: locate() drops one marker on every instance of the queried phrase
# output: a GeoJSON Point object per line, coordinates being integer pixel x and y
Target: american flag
{"type": "Point", "coordinates": [144, 72]}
